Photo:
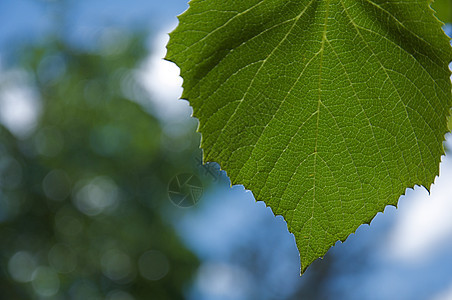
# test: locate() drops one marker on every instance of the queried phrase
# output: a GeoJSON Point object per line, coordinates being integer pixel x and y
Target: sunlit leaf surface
{"type": "Point", "coordinates": [325, 110]}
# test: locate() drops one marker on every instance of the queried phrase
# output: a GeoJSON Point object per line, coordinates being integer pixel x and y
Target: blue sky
{"type": "Point", "coordinates": [31, 20]}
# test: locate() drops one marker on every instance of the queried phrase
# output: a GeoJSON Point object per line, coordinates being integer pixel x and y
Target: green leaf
{"type": "Point", "coordinates": [326, 110]}
{"type": "Point", "coordinates": [449, 125]}
{"type": "Point", "coordinates": [443, 10]}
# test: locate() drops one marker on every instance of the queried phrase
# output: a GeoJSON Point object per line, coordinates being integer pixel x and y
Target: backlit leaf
{"type": "Point", "coordinates": [327, 110]}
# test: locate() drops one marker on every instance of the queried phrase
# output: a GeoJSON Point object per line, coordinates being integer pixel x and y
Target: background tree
{"type": "Point", "coordinates": [80, 198]}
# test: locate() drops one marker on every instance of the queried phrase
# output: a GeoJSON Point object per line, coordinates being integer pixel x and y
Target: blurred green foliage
{"type": "Point", "coordinates": [81, 198]}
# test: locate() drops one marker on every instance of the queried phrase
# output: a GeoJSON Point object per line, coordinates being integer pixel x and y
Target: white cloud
{"type": "Point", "coordinates": [161, 79]}
{"type": "Point", "coordinates": [423, 222]}
{"type": "Point", "coordinates": [445, 294]}
{"type": "Point", "coordinates": [223, 281]}
{"type": "Point", "coordinates": [19, 103]}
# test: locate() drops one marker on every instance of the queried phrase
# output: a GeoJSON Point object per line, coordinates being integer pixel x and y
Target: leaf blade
{"type": "Point", "coordinates": [326, 110]}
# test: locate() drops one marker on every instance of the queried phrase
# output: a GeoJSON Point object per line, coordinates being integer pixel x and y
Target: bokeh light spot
{"type": "Point", "coordinates": [21, 266]}
{"type": "Point", "coordinates": [85, 289]}
{"type": "Point", "coordinates": [56, 185]}
{"type": "Point", "coordinates": [153, 265]}
{"type": "Point", "coordinates": [51, 68]}
{"type": "Point", "coordinates": [62, 258]}
{"type": "Point", "coordinates": [68, 223]}
{"type": "Point", "coordinates": [96, 196]}
{"type": "Point", "coordinates": [119, 295]}
{"type": "Point", "coordinates": [116, 265]}
{"type": "Point", "coordinates": [49, 141]}
{"type": "Point", "coordinates": [108, 140]}
{"type": "Point", "coordinates": [45, 281]}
